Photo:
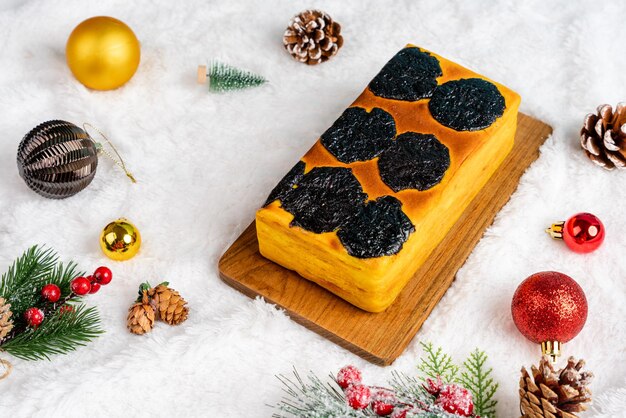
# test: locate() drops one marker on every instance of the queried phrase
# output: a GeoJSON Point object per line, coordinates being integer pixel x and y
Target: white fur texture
{"type": "Point", "coordinates": [205, 163]}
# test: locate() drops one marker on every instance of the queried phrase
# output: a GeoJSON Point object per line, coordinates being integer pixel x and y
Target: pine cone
{"type": "Point", "coordinates": [6, 324]}
{"type": "Point", "coordinates": [554, 394]}
{"type": "Point", "coordinates": [312, 37]}
{"type": "Point", "coordinates": [603, 136]}
{"type": "Point", "coordinates": [141, 316]}
{"type": "Point", "coordinates": [168, 304]}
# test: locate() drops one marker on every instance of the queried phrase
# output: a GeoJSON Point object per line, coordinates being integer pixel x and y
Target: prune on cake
{"type": "Point", "coordinates": [359, 135]}
{"type": "Point", "coordinates": [286, 184]}
{"type": "Point", "coordinates": [410, 75]}
{"type": "Point", "coordinates": [469, 104]}
{"type": "Point", "coordinates": [380, 228]}
{"type": "Point", "coordinates": [325, 199]}
{"type": "Point", "coordinates": [415, 161]}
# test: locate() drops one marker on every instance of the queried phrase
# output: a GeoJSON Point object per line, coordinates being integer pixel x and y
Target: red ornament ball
{"type": "Point", "coordinates": [95, 286]}
{"type": "Point", "coordinates": [348, 375]}
{"type": "Point", "coordinates": [34, 317]}
{"type": "Point", "coordinates": [383, 402]}
{"type": "Point", "coordinates": [51, 293]}
{"type": "Point", "coordinates": [103, 275]}
{"type": "Point", "coordinates": [81, 286]}
{"type": "Point", "coordinates": [456, 400]}
{"type": "Point", "coordinates": [583, 232]}
{"type": "Point", "coordinates": [549, 306]}
{"type": "Point", "coordinates": [358, 396]}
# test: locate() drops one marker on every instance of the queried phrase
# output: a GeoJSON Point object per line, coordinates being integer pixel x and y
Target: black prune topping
{"type": "Point", "coordinates": [286, 184]}
{"type": "Point", "coordinates": [415, 161]}
{"type": "Point", "coordinates": [324, 199]}
{"type": "Point", "coordinates": [380, 228]}
{"type": "Point", "coordinates": [469, 104]}
{"type": "Point", "coordinates": [358, 135]}
{"type": "Point", "coordinates": [410, 75]}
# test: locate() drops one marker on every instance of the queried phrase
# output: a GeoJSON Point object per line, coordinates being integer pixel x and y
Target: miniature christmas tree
{"type": "Point", "coordinates": [222, 77]}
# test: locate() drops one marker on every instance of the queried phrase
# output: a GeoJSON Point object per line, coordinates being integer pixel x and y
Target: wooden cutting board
{"type": "Point", "coordinates": [381, 337]}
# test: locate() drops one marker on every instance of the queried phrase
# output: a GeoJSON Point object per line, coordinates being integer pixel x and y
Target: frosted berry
{"type": "Point", "coordinates": [34, 317]}
{"type": "Point", "coordinates": [358, 396]}
{"type": "Point", "coordinates": [348, 375]}
{"type": "Point", "coordinates": [456, 400]}
{"type": "Point", "coordinates": [103, 275]}
{"type": "Point", "coordinates": [81, 286]}
{"type": "Point", "coordinates": [95, 286]}
{"type": "Point", "coordinates": [433, 386]}
{"type": "Point", "coordinates": [400, 413]}
{"type": "Point", "coordinates": [51, 293]}
{"type": "Point", "coordinates": [383, 402]}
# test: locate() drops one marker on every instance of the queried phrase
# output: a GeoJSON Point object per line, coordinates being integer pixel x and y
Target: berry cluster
{"type": "Point", "coordinates": [451, 398]}
{"type": "Point", "coordinates": [51, 295]}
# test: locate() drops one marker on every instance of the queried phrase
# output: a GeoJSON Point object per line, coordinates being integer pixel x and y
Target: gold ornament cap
{"type": "Point", "coordinates": [120, 240]}
{"type": "Point", "coordinates": [556, 230]}
{"type": "Point", "coordinates": [552, 349]}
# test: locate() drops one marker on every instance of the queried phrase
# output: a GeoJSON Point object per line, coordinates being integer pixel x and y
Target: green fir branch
{"type": "Point", "coordinates": [59, 334]}
{"type": "Point", "coordinates": [223, 77]}
{"type": "Point", "coordinates": [409, 389]}
{"type": "Point", "coordinates": [436, 364]}
{"type": "Point", "coordinates": [22, 282]}
{"type": "Point", "coordinates": [476, 378]}
{"type": "Point", "coordinates": [314, 399]}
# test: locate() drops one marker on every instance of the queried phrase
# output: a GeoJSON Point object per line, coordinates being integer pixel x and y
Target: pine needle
{"type": "Point", "coordinates": [60, 334]}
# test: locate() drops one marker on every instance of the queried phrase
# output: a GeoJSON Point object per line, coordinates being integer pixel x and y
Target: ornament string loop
{"type": "Point", "coordinates": [119, 161]}
{"type": "Point", "coordinates": [8, 368]}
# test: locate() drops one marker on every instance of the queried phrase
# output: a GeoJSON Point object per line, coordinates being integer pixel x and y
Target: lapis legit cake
{"type": "Point", "coordinates": [365, 206]}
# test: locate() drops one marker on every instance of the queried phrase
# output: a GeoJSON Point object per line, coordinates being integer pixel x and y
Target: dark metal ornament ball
{"type": "Point", "coordinates": [57, 159]}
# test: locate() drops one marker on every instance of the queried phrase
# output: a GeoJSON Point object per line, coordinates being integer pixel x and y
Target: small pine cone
{"type": "Point", "coordinates": [141, 316]}
{"type": "Point", "coordinates": [312, 37]}
{"type": "Point", "coordinates": [603, 136]}
{"type": "Point", "coordinates": [168, 304]}
{"type": "Point", "coordinates": [6, 323]}
{"type": "Point", "coordinates": [550, 393]}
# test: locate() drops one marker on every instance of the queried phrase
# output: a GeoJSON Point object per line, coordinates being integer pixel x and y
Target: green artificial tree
{"type": "Point", "coordinates": [222, 77]}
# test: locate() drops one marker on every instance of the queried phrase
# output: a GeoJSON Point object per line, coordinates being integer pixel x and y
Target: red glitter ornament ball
{"type": "Point", "coordinates": [348, 375]}
{"type": "Point", "coordinates": [549, 306]}
{"type": "Point", "coordinates": [583, 232]}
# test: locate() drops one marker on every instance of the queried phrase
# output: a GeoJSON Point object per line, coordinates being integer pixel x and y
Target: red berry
{"type": "Point", "coordinates": [90, 278]}
{"type": "Point", "coordinates": [400, 413]}
{"type": "Point", "coordinates": [383, 402]}
{"type": "Point", "coordinates": [51, 293]}
{"type": "Point", "coordinates": [456, 400]}
{"type": "Point", "coordinates": [358, 396]}
{"type": "Point", "coordinates": [95, 286]}
{"type": "Point", "coordinates": [34, 317]}
{"type": "Point", "coordinates": [347, 376]}
{"type": "Point", "coordinates": [81, 286]}
{"type": "Point", "coordinates": [66, 309]}
{"type": "Point", "coordinates": [103, 275]}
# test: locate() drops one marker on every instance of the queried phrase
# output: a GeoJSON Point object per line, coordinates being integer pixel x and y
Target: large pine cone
{"type": "Point", "coordinates": [603, 136]}
{"type": "Point", "coordinates": [312, 37]}
{"type": "Point", "coordinates": [549, 393]}
{"type": "Point", "coordinates": [168, 304]}
{"type": "Point", "coordinates": [6, 323]}
{"type": "Point", "coordinates": [141, 316]}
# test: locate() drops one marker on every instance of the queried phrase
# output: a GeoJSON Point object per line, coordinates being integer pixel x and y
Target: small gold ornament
{"type": "Point", "coordinates": [103, 53]}
{"type": "Point", "coordinates": [120, 240]}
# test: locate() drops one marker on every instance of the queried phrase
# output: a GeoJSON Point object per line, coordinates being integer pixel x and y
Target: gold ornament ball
{"type": "Point", "coordinates": [120, 240]}
{"type": "Point", "coordinates": [103, 53]}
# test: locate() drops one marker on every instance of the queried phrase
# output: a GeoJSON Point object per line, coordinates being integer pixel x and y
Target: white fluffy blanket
{"type": "Point", "coordinates": [206, 162]}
